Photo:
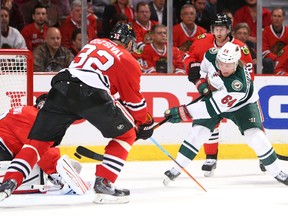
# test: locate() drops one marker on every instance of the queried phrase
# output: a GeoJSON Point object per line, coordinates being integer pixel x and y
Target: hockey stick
{"type": "Point", "coordinates": [166, 119]}
{"type": "Point", "coordinates": [81, 150]}
{"type": "Point", "coordinates": [167, 153]}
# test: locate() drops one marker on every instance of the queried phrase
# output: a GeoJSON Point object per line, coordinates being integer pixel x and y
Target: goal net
{"type": "Point", "coordinates": [16, 78]}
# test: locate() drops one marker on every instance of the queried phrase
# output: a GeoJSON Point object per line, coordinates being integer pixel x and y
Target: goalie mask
{"type": "Point", "coordinates": [40, 101]}
{"type": "Point", "coordinates": [229, 53]}
{"type": "Point", "coordinates": [123, 33]}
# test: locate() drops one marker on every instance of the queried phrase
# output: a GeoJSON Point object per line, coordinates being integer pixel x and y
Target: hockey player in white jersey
{"type": "Point", "coordinates": [231, 96]}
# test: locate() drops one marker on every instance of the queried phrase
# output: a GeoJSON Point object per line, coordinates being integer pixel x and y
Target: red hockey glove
{"type": "Point", "coordinates": [178, 114]}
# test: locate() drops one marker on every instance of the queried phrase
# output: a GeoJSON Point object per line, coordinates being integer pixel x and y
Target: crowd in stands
{"type": "Point", "coordinates": [26, 23]}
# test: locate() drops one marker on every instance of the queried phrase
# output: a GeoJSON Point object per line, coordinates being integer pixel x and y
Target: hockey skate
{"type": "Point", "coordinates": [171, 175]}
{"type": "Point", "coordinates": [209, 167]}
{"type": "Point", "coordinates": [106, 193]}
{"type": "Point", "coordinates": [7, 188]}
{"type": "Point", "coordinates": [282, 177]}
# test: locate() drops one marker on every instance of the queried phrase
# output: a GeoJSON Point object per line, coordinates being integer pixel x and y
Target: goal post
{"type": "Point", "coordinates": [16, 78]}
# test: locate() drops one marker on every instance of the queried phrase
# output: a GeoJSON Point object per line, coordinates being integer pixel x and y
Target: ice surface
{"type": "Point", "coordinates": [238, 187]}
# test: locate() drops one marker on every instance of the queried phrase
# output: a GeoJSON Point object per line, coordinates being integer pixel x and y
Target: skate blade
{"type": "Point", "coordinates": [209, 173]}
{"type": "Point", "coordinates": [109, 199]}
{"type": "Point", "coordinates": [166, 182]}
{"type": "Point", "coordinates": [2, 196]}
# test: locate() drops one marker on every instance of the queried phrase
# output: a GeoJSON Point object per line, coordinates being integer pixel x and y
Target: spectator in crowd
{"type": "Point", "coordinates": [51, 56]}
{"type": "Point", "coordinates": [155, 54]}
{"type": "Point", "coordinates": [17, 19]}
{"type": "Point", "coordinates": [230, 5]}
{"type": "Point", "coordinates": [186, 31]}
{"type": "Point", "coordinates": [52, 12]}
{"type": "Point", "coordinates": [203, 17]}
{"type": "Point", "coordinates": [211, 7]}
{"type": "Point", "coordinates": [274, 36]}
{"type": "Point", "coordinates": [142, 24]}
{"type": "Point", "coordinates": [76, 41]}
{"type": "Point", "coordinates": [158, 10]}
{"type": "Point", "coordinates": [34, 33]}
{"type": "Point", "coordinates": [10, 36]}
{"type": "Point", "coordinates": [74, 21]}
{"type": "Point", "coordinates": [281, 66]}
{"type": "Point", "coordinates": [119, 7]}
{"type": "Point", "coordinates": [229, 14]}
{"type": "Point", "coordinates": [248, 14]}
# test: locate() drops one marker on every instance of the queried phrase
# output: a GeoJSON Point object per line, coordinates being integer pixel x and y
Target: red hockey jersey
{"type": "Point", "coordinates": [181, 36]}
{"type": "Point", "coordinates": [156, 61]}
{"type": "Point", "coordinates": [206, 41]}
{"type": "Point", "coordinates": [272, 43]}
{"type": "Point", "coordinates": [122, 69]}
{"type": "Point", "coordinates": [15, 126]}
{"type": "Point", "coordinates": [281, 67]}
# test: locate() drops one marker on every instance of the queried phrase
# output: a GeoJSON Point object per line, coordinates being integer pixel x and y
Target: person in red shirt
{"type": "Point", "coordinates": [142, 24]}
{"type": "Point", "coordinates": [220, 35]}
{"type": "Point", "coordinates": [74, 21]}
{"type": "Point", "coordinates": [85, 90]}
{"type": "Point", "coordinates": [186, 31]}
{"type": "Point", "coordinates": [248, 14]}
{"type": "Point", "coordinates": [274, 36]}
{"type": "Point", "coordinates": [35, 33]}
{"type": "Point", "coordinates": [154, 55]}
{"type": "Point", "coordinates": [119, 7]}
{"type": "Point", "coordinates": [281, 66]}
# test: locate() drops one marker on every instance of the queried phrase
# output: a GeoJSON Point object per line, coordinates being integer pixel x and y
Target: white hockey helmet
{"type": "Point", "coordinates": [229, 53]}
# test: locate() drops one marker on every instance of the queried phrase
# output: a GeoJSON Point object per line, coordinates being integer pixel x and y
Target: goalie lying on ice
{"type": "Point", "coordinates": [14, 128]}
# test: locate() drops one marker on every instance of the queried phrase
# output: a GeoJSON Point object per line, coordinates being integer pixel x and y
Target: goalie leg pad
{"type": "Point", "coordinates": [70, 175]}
{"type": "Point", "coordinates": [36, 182]}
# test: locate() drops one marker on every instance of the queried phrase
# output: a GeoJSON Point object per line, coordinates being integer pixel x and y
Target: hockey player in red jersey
{"type": "Point", "coordinates": [220, 34]}
{"type": "Point", "coordinates": [15, 126]}
{"type": "Point", "coordinates": [85, 90]}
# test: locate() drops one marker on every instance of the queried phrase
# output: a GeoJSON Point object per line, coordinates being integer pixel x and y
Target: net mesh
{"type": "Point", "coordinates": [13, 81]}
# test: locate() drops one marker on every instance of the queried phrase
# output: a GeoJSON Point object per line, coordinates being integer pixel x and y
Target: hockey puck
{"type": "Point", "coordinates": [77, 155]}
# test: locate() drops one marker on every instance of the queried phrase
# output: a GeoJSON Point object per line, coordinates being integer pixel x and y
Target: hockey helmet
{"type": "Point", "coordinates": [221, 19]}
{"type": "Point", "coordinates": [229, 53]}
{"type": "Point", "coordinates": [123, 33]}
{"type": "Point", "coordinates": [40, 101]}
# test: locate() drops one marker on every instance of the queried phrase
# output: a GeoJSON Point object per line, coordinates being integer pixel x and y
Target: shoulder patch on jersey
{"type": "Point", "coordinates": [280, 52]}
{"type": "Point", "coordinates": [237, 85]}
{"type": "Point", "coordinates": [245, 50]}
{"type": "Point", "coordinates": [213, 50]}
{"type": "Point", "coordinates": [201, 36]}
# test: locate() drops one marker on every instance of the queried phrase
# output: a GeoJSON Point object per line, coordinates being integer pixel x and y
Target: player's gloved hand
{"type": "Point", "coordinates": [146, 130]}
{"type": "Point", "coordinates": [215, 81]}
{"type": "Point", "coordinates": [178, 114]}
{"type": "Point", "coordinates": [203, 86]}
{"type": "Point", "coordinates": [194, 72]}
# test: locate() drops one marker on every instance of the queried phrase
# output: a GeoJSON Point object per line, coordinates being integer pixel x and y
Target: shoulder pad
{"type": "Point", "coordinates": [245, 50]}
{"type": "Point", "coordinates": [201, 36]}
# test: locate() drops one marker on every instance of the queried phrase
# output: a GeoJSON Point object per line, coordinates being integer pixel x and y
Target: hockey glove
{"type": "Point", "coordinates": [203, 87]}
{"type": "Point", "coordinates": [194, 72]}
{"type": "Point", "coordinates": [145, 130]}
{"type": "Point", "coordinates": [178, 114]}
